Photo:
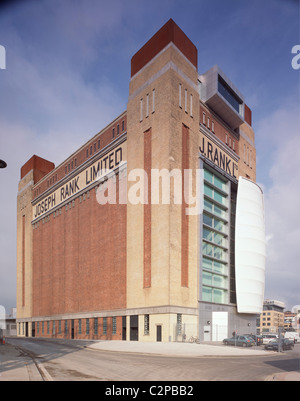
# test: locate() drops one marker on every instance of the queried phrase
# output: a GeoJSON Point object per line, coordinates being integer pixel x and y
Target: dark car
{"type": "Point", "coordinates": [258, 339]}
{"type": "Point", "coordinates": [242, 341]}
{"type": "Point", "coordinates": [285, 344]}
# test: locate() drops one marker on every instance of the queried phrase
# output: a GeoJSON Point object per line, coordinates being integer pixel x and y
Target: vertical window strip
{"type": "Point", "coordinates": [141, 109]}
{"type": "Point", "coordinates": [147, 105]}
{"type": "Point", "coordinates": [180, 105]}
{"type": "Point", "coordinates": [153, 101]}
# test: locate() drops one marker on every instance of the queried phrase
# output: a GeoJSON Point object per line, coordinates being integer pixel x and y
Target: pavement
{"type": "Point", "coordinates": [15, 364]}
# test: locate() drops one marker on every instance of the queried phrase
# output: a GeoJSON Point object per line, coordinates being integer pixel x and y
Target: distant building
{"type": "Point", "coordinates": [272, 316]}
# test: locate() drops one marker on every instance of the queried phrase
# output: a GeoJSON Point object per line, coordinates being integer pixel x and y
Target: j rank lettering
{"type": "Point", "coordinates": [218, 157]}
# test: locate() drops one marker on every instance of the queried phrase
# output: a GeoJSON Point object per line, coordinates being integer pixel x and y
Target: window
{"type": "Point", "coordinates": [147, 105]}
{"type": "Point", "coordinates": [180, 86]}
{"type": "Point", "coordinates": [179, 323]}
{"type": "Point", "coordinates": [66, 327]}
{"type": "Point", "coordinates": [191, 105]}
{"type": "Point", "coordinates": [104, 325]}
{"type": "Point", "coordinates": [229, 94]}
{"type": "Point", "coordinates": [146, 325]}
{"type": "Point", "coordinates": [59, 327]}
{"type": "Point", "coordinates": [118, 129]}
{"type": "Point", "coordinates": [123, 125]}
{"type": "Point", "coordinates": [114, 325]}
{"type": "Point", "coordinates": [185, 100]}
{"type": "Point", "coordinates": [141, 110]}
{"type": "Point", "coordinates": [153, 101]}
{"type": "Point", "coordinates": [208, 122]}
{"type": "Point", "coordinates": [215, 249]}
{"type": "Point", "coordinates": [87, 326]}
{"type": "Point", "coordinates": [79, 326]}
{"type": "Point", "coordinates": [113, 132]}
{"type": "Point", "coordinates": [213, 126]}
{"type": "Point", "coordinates": [98, 144]}
{"type": "Point", "coordinates": [203, 118]}
{"type": "Point", "coordinates": [96, 325]}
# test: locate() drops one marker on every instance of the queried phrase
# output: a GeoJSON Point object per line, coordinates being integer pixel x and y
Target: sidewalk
{"type": "Point", "coordinates": [15, 366]}
{"type": "Point", "coordinates": [176, 349]}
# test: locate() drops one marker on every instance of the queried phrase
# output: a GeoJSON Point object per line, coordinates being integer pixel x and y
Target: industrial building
{"type": "Point", "coordinates": [154, 229]}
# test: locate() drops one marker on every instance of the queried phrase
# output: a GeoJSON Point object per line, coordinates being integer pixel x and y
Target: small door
{"type": "Point", "coordinates": [72, 329]}
{"type": "Point", "coordinates": [134, 328]}
{"type": "Point", "coordinates": [124, 328]}
{"type": "Point", "coordinates": [158, 332]}
{"type": "Point", "coordinates": [26, 329]}
{"type": "Point", "coordinates": [33, 329]}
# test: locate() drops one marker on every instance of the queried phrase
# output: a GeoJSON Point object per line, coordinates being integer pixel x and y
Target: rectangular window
{"type": "Point", "coordinates": [59, 327]}
{"type": "Point", "coordinates": [203, 118]}
{"type": "Point", "coordinates": [147, 105]}
{"type": "Point", "coordinates": [153, 101]}
{"type": "Point", "coordinates": [104, 325]}
{"type": "Point", "coordinates": [66, 327]}
{"type": "Point", "coordinates": [141, 110]}
{"type": "Point", "coordinates": [191, 105]}
{"type": "Point", "coordinates": [180, 104]}
{"type": "Point", "coordinates": [185, 100]}
{"type": "Point", "coordinates": [118, 129]}
{"type": "Point", "coordinates": [79, 326]}
{"type": "Point", "coordinates": [123, 126]}
{"type": "Point", "coordinates": [113, 132]}
{"type": "Point", "coordinates": [229, 94]}
{"type": "Point", "coordinates": [213, 126]}
{"type": "Point", "coordinates": [146, 325]}
{"type": "Point", "coordinates": [208, 122]}
{"type": "Point", "coordinates": [114, 325]}
{"type": "Point", "coordinates": [179, 323]}
{"type": "Point", "coordinates": [96, 325]}
{"type": "Point", "coordinates": [87, 326]}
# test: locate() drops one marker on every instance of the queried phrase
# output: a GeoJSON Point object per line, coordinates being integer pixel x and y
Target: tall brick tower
{"type": "Point", "coordinates": [163, 125]}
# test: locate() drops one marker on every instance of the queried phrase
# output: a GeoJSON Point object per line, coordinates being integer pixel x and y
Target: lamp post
{"type": "Point", "coordinates": [2, 164]}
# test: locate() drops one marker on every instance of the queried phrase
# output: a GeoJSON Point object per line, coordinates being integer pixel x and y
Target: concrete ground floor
{"type": "Point", "coordinates": [210, 322]}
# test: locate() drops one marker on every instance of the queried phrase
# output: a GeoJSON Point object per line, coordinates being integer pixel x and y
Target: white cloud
{"type": "Point", "coordinates": [281, 134]}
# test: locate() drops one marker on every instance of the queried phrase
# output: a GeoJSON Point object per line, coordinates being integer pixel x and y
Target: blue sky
{"type": "Point", "coordinates": [67, 76]}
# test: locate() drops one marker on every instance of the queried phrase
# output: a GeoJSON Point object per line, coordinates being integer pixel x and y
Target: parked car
{"type": "Point", "coordinates": [284, 342]}
{"type": "Point", "coordinates": [258, 339]}
{"type": "Point", "coordinates": [242, 341]}
{"type": "Point", "coordinates": [268, 337]}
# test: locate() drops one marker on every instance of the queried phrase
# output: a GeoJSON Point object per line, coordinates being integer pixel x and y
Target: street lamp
{"type": "Point", "coordinates": [2, 164]}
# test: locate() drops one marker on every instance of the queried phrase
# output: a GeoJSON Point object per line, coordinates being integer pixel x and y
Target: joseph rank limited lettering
{"type": "Point", "coordinates": [80, 182]}
{"type": "Point", "coordinates": [66, 191]}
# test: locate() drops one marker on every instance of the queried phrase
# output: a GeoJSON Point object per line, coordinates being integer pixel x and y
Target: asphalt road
{"type": "Point", "coordinates": [73, 362]}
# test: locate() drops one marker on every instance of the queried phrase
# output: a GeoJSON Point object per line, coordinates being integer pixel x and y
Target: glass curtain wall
{"type": "Point", "coordinates": [215, 241]}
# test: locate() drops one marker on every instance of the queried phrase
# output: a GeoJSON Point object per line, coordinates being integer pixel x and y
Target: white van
{"type": "Point", "coordinates": [292, 335]}
{"type": "Point", "coordinates": [268, 337]}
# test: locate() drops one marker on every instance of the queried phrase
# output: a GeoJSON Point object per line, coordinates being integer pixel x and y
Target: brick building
{"type": "Point", "coordinates": [104, 253]}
